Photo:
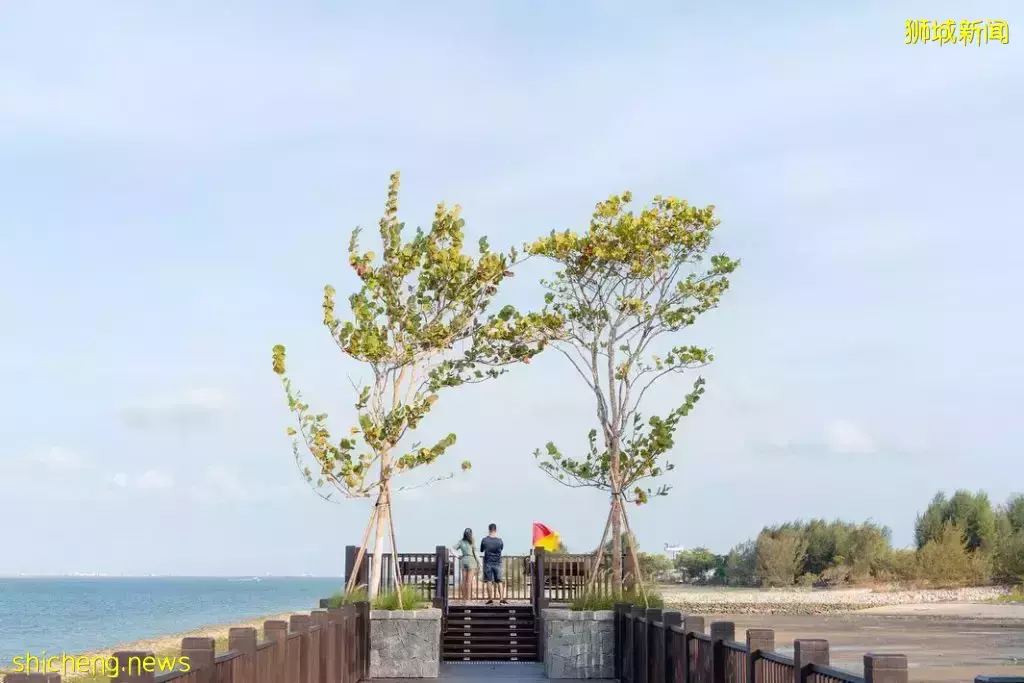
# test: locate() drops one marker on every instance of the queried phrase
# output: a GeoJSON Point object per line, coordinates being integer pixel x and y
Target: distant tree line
{"type": "Point", "coordinates": [960, 540]}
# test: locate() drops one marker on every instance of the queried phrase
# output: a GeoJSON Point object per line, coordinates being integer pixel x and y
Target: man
{"type": "Point", "coordinates": [491, 547]}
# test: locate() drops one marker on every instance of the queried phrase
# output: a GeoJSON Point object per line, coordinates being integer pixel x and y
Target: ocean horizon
{"type": "Point", "coordinates": [79, 613]}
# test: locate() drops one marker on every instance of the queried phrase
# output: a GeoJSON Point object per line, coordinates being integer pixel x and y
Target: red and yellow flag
{"type": "Point", "coordinates": [544, 537]}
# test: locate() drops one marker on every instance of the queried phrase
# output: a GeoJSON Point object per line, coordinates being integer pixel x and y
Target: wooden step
{"type": "Point", "coordinates": [493, 656]}
{"type": "Point", "coordinates": [489, 628]}
{"type": "Point", "coordinates": [491, 637]}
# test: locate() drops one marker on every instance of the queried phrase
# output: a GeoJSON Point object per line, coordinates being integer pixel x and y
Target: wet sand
{"type": "Point", "coordinates": [940, 646]}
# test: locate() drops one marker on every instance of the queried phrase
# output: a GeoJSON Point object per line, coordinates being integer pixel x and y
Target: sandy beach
{"type": "Point", "coordinates": [172, 643]}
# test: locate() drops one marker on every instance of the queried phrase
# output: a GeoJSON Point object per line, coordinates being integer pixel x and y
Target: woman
{"type": "Point", "coordinates": [470, 563]}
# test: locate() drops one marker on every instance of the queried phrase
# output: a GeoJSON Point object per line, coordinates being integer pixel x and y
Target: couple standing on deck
{"type": "Point", "coordinates": [491, 547]}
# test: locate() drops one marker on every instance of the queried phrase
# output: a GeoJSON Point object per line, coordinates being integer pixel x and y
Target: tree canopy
{"type": "Point", "coordinates": [622, 288]}
{"type": "Point", "coordinates": [421, 323]}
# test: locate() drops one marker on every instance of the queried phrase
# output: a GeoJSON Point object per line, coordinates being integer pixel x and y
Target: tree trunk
{"type": "Point", "coordinates": [383, 521]}
{"type": "Point", "coordinates": [613, 453]}
{"type": "Point", "coordinates": [617, 545]}
{"type": "Point", "coordinates": [377, 565]}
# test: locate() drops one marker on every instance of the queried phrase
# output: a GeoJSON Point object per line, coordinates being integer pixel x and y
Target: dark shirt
{"type": "Point", "coordinates": [491, 547]}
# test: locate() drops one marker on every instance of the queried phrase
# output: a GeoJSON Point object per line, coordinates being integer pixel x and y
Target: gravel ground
{"type": "Point", "coordinates": [792, 601]}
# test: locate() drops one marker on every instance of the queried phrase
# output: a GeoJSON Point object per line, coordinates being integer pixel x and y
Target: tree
{"type": "Point", "coordinates": [970, 512]}
{"type": "Point", "coordinates": [741, 565]}
{"type": "Point", "coordinates": [1014, 511]}
{"type": "Point", "coordinates": [653, 566]}
{"type": "Point", "coordinates": [780, 556]}
{"type": "Point", "coordinates": [623, 287]}
{"type": "Point", "coordinates": [418, 323]}
{"type": "Point", "coordinates": [697, 562]}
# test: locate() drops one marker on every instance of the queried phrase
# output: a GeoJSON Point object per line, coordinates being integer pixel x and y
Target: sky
{"type": "Point", "coordinates": [178, 181]}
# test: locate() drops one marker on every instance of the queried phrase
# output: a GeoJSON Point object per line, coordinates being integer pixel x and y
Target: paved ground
{"type": "Point", "coordinates": [939, 648]}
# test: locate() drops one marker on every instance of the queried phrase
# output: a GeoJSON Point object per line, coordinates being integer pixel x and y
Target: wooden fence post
{"type": "Point", "coordinates": [721, 631]}
{"type": "Point", "coordinates": [200, 653]}
{"type": "Point", "coordinates": [758, 640]}
{"type": "Point", "coordinates": [131, 666]}
{"type": "Point", "coordinates": [621, 610]}
{"type": "Point", "coordinates": [885, 668]}
{"type": "Point", "coordinates": [300, 623]}
{"type": "Point", "coordinates": [339, 617]}
{"type": "Point", "coordinates": [638, 651]}
{"type": "Point", "coordinates": [350, 562]}
{"type": "Point", "coordinates": [652, 632]}
{"type": "Point", "coordinates": [539, 570]}
{"type": "Point", "coordinates": [666, 666]}
{"type": "Point", "coordinates": [805, 652]}
{"type": "Point", "coordinates": [325, 649]}
{"type": "Point", "coordinates": [242, 639]}
{"type": "Point", "coordinates": [363, 609]}
{"type": "Point", "coordinates": [441, 578]}
{"type": "Point", "coordinates": [691, 624]}
{"type": "Point", "coordinates": [276, 631]}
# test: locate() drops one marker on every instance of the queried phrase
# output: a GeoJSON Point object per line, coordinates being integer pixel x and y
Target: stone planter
{"type": "Point", "coordinates": [579, 644]}
{"type": "Point", "coordinates": [405, 644]}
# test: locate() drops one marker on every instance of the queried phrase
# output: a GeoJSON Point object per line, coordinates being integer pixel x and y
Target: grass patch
{"type": "Point", "coordinates": [1014, 596]}
{"type": "Point", "coordinates": [595, 602]}
{"type": "Point", "coordinates": [411, 599]}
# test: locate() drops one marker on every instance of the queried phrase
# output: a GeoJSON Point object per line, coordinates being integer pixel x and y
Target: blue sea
{"type": "Point", "coordinates": [79, 614]}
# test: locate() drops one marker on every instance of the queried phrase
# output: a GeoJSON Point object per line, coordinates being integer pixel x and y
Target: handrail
{"type": "Point", "coordinates": [735, 646]}
{"type": "Point", "coordinates": [775, 657]}
{"type": "Point", "coordinates": [837, 674]}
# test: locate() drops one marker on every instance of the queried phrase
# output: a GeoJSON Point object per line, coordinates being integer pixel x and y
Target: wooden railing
{"type": "Point", "coordinates": [663, 646]}
{"type": "Point", "coordinates": [327, 646]}
{"type": "Point", "coordinates": [439, 578]}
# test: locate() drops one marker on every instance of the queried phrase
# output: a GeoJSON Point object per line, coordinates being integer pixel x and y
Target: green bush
{"type": "Point", "coordinates": [901, 566]}
{"type": "Point", "coordinates": [946, 561]}
{"type": "Point", "coordinates": [1010, 557]}
{"type": "Point", "coordinates": [780, 556]}
{"type": "Point", "coordinates": [594, 601]}
{"type": "Point", "coordinates": [411, 599]}
{"type": "Point", "coordinates": [807, 580]}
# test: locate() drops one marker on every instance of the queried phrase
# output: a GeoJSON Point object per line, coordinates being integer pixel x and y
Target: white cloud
{"type": "Point", "coordinates": [189, 408]}
{"type": "Point", "coordinates": [221, 483]}
{"type": "Point", "coordinates": [843, 436]}
{"type": "Point", "coordinates": [154, 479]}
{"type": "Point", "coordinates": [148, 481]}
{"type": "Point", "coordinates": [58, 458]}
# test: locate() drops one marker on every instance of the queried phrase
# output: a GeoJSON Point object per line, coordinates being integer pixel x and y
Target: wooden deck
{"type": "Point", "coordinates": [481, 672]}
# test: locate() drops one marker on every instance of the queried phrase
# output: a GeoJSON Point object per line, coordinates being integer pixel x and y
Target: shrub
{"type": "Point", "coordinates": [387, 600]}
{"type": "Point", "coordinates": [780, 555]}
{"type": "Point", "coordinates": [901, 566]}
{"type": "Point", "coordinates": [1009, 561]}
{"type": "Point", "coordinates": [593, 602]}
{"type": "Point", "coordinates": [946, 562]}
{"type": "Point", "coordinates": [807, 580]}
{"type": "Point", "coordinates": [411, 599]}
{"type": "Point", "coordinates": [836, 576]}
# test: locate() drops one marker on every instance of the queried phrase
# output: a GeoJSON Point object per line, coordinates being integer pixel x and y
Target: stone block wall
{"type": "Point", "coordinates": [405, 644]}
{"type": "Point", "coordinates": [579, 644]}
